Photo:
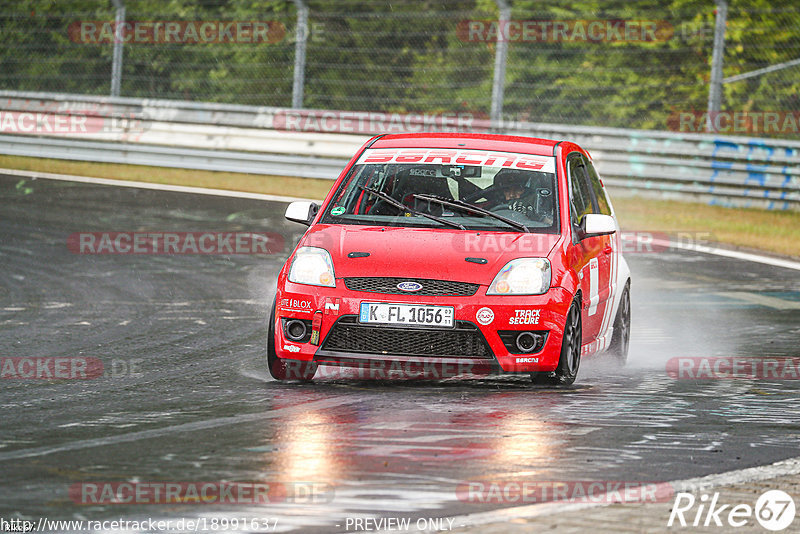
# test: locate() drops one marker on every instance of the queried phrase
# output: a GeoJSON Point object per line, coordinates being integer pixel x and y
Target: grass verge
{"type": "Point", "coordinates": [772, 231]}
{"type": "Point", "coordinates": [233, 181]}
{"type": "Point", "coordinates": [777, 232]}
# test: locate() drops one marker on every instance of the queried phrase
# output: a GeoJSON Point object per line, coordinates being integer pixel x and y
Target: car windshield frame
{"type": "Point", "coordinates": [356, 179]}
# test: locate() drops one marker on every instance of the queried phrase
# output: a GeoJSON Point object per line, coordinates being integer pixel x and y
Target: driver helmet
{"type": "Point", "coordinates": [509, 178]}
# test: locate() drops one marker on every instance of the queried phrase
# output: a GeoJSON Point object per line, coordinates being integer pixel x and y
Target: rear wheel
{"type": "Point", "coordinates": [620, 339]}
{"type": "Point", "coordinates": [570, 359]}
{"type": "Point", "coordinates": [282, 369]}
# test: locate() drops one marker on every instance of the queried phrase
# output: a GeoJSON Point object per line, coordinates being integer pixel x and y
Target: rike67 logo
{"type": "Point", "coordinates": [774, 510]}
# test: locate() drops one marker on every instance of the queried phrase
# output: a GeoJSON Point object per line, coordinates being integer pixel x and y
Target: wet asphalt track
{"type": "Point", "coordinates": [201, 405]}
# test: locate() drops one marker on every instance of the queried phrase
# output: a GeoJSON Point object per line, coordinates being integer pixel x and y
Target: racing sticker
{"type": "Point", "coordinates": [332, 305]}
{"type": "Point", "coordinates": [484, 316]}
{"type": "Point", "coordinates": [525, 317]}
{"type": "Point", "coordinates": [442, 156]}
{"type": "Point", "coordinates": [296, 305]}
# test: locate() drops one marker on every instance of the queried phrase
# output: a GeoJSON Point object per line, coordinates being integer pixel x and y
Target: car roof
{"type": "Point", "coordinates": [469, 141]}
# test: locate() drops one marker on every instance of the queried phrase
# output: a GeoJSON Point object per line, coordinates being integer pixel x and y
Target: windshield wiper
{"type": "Point", "coordinates": [399, 205]}
{"type": "Point", "coordinates": [466, 206]}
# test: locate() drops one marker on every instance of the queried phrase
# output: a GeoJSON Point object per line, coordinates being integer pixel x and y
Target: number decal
{"type": "Point", "coordinates": [594, 285]}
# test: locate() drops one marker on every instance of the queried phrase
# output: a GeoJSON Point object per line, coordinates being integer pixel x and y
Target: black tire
{"type": "Point", "coordinates": [570, 360]}
{"type": "Point", "coordinates": [621, 338]}
{"type": "Point", "coordinates": [282, 369]}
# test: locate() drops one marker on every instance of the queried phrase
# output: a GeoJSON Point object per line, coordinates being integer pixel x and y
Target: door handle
{"type": "Point", "coordinates": [608, 249]}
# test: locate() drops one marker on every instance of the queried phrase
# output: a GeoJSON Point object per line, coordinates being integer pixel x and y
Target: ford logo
{"type": "Point", "coordinates": [409, 286]}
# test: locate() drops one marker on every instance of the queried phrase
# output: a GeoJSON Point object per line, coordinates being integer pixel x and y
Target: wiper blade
{"type": "Point", "coordinates": [453, 203]}
{"type": "Point", "coordinates": [397, 204]}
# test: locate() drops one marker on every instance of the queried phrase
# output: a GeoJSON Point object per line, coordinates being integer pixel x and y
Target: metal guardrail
{"type": "Point", "coordinates": [176, 157]}
{"type": "Point", "coordinates": [726, 170]}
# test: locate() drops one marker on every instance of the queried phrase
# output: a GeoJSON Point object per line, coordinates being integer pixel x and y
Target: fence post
{"type": "Point", "coordinates": [301, 36]}
{"type": "Point", "coordinates": [715, 88]}
{"type": "Point", "coordinates": [116, 62]}
{"type": "Point", "coordinates": [500, 56]}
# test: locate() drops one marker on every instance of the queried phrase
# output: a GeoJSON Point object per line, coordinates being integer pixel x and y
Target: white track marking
{"type": "Point", "coordinates": [147, 185]}
{"type": "Point", "coordinates": [746, 256]}
{"type": "Point", "coordinates": [741, 476]}
{"type": "Point", "coordinates": [761, 300]}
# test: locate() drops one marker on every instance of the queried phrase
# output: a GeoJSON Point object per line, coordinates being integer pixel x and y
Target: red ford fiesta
{"type": "Point", "coordinates": [455, 253]}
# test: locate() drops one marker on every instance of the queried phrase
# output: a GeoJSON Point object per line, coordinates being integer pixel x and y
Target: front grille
{"type": "Point", "coordinates": [463, 341]}
{"type": "Point", "coordinates": [430, 288]}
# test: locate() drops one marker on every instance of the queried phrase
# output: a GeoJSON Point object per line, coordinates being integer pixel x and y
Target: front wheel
{"type": "Point", "coordinates": [570, 359]}
{"type": "Point", "coordinates": [281, 369]}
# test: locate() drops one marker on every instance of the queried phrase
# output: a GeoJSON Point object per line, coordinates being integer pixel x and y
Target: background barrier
{"type": "Point", "coordinates": [725, 170]}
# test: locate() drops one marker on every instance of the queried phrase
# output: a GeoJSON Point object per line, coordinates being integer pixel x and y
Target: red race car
{"type": "Point", "coordinates": [455, 253]}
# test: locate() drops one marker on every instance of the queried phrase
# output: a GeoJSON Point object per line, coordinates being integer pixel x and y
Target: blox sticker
{"type": "Point", "coordinates": [290, 304]}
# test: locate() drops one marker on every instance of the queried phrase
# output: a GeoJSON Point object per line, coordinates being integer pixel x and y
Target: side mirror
{"type": "Point", "coordinates": [594, 224]}
{"type": "Point", "coordinates": [302, 212]}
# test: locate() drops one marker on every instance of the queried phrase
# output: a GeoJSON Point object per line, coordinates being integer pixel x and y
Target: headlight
{"type": "Point", "coordinates": [312, 266]}
{"type": "Point", "coordinates": [523, 276]}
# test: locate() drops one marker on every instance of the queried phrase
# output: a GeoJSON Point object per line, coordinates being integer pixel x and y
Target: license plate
{"type": "Point", "coordinates": [407, 314]}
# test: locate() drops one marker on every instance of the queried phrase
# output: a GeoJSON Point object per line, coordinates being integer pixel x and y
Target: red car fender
{"type": "Point", "coordinates": [563, 275]}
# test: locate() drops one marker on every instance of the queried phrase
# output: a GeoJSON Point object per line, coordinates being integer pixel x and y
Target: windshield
{"type": "Point", "coordinates": [399, 187]}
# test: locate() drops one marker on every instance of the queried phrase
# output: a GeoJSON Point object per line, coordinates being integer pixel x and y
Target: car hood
{"type": "Point", "coordinates": [424, 252]}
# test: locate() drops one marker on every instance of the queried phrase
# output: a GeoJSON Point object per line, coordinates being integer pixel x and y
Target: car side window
{"type": "Point", "coordinates": [603, 206]}
{"type": "Point", "coordinates": [580, 196]}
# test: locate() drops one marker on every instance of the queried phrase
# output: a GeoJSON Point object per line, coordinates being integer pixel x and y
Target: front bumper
{"type": "Point", "coordinates": [482, 341]}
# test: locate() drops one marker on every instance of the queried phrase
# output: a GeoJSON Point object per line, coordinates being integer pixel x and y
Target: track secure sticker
{"type": "Point", "coordinates": [484, 316]}
{"type": "Point", "coordinates": [525, 317]}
